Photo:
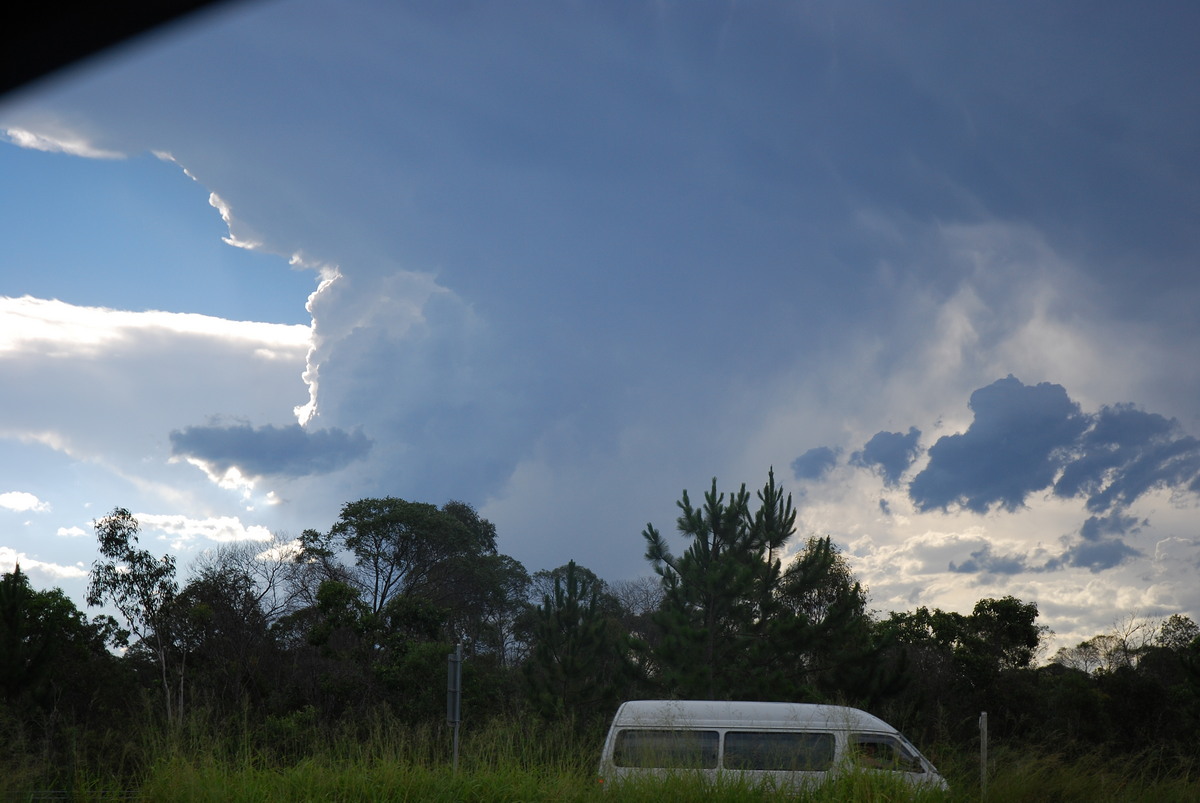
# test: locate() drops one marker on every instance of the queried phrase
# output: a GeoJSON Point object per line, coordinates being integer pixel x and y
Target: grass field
{"type": "Point", "coordinates": [295, 760]}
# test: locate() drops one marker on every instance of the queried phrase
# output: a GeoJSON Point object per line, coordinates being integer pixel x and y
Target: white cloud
{"type": "Point", "coordinates": [231, 479]}
{"type": "Point", "coordinates": [182, 529]}
{"type": "Point", "coordinates": [58, 142]}
{"type": "Point", "coordinates": [11, 558]}
{"type": "Point", "coordinates": [72, 532]}
{"type": "Point", "coordinates": [21, 501]}
{"type": "Point", "coordinates": [282, 551]}
{"type": "Point", "coordinates": [108, 386]}
{"type": "Point", "coordinates": [54, 328]}
{"type": "Point", "coordinates": [237, 241]}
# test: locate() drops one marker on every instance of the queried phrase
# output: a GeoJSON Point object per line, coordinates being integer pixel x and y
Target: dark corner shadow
{"type": "Point", "coordinates": [37, 39]}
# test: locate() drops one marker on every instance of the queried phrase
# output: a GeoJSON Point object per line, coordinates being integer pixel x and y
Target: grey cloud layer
{"type": "Point", "coordinates": [288, 451]}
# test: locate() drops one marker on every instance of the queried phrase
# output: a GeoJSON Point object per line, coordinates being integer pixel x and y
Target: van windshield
{"type": "Point", "coordinates": [666, 749]}
{"type": "Point", "coordinates": [765, 750]}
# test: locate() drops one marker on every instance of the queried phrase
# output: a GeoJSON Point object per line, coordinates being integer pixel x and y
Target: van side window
{"type": "Point", "coordinates": [882, 752]}
{"type": "Point", "coordinates": [766, 750]}
{"type": "Point", "coordinates": [666, 749]}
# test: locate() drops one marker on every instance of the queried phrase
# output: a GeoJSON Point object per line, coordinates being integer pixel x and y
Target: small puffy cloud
{"type": "Point", "coordinates": [891, 453]}
{"type": "Point", "coordinates": [289, 451]}
{"type": "Point", "coordinates": [815, 463]}
{"type": "Point", "coordinates": [58, 142]}
{"type": "Point", "coordinates": [1015, 446]}
{"type": "Point", "coordinates": [21, 501]}
{"type": "Point", "coordinates": [71, 532]}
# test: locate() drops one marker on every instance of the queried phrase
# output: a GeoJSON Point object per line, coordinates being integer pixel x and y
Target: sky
{"type": "Point", "coordinates": [935, 264]}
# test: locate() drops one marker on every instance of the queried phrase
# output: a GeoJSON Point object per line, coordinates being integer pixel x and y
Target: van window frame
{"type": "Point", "coordinates": [708, 741]}
{"type": "Point", "coordinates": [819, 749]}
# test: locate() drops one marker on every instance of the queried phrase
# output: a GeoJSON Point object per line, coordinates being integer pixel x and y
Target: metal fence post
{"type": "Point", "coordinates": [454, 695]}
{"type": "Point", "coordinates": [983, 751]}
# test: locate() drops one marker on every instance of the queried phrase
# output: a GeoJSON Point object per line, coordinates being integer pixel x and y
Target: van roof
{"type": "Point", "coordinates": [733, 713]}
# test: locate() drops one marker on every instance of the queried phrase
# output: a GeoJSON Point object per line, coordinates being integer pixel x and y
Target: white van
{"type": "Point", "coordinates": [785, 744]}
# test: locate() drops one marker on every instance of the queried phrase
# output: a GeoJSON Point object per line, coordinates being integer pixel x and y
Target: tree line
{"type": "Point", "coordinates": [358, 621]}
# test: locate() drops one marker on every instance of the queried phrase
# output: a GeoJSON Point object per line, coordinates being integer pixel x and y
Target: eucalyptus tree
{"type": "Point", "coordinates": [219, 627]}
{"type": "Point", "coordinates": [396, 581]}
{"type": "Point", "coordinates": [395, 548]}
{"type": "Point", "coordinates": [142, 588]}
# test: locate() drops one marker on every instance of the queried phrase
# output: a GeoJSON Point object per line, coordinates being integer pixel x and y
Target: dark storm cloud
{"type": "Point", "coordinates": [1015, 446]}
{"type": "Point", "coordinates": [1022, 436]}
{"type": "Point", "coordinates": [1096, 556]}
{"type": "Point", "coordinates": [984, 561]}
{"type": "Point", "coordinates": [1096, 527]}
{"type": "Point", "coordinates": [1094, 553]}
{"type": "Point", "coordinates": [1126, 453]}
{"type": "Point", "coordinates": [815, 463]}
{"type": "Point", "coordinates": [270, 451]}
{"type": "Point", "coordinates": [891, 453]}
{"type": "Point", "coordinates": [1025, 439]}
{"type": "Point", "coordinates": [1168, 464]}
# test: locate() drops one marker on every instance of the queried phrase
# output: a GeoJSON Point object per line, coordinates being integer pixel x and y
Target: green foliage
{"type": "Point", "coordinates": [717, 592]}
{"type": "Point", "coordinates": [396, 547]}
{"type": "Point", "coordinates": [734, 624]}
{"type": "Point", "coordinates": [48, 649]}
{"type": "Point", "coordinates": [1178, 633]}
{"type": "Point", "coordinates": [581, 658]}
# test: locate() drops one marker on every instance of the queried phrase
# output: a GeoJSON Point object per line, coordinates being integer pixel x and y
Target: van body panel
{"type": "Point", "coordinates": [792, 744]}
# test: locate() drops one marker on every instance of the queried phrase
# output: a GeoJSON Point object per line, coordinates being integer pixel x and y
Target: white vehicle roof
{"type": "Point", "coordinates": [734, 714]}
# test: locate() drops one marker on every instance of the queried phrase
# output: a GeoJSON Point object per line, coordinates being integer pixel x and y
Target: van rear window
{"type": "Point", "coordinates": [766, 750]}
{"type": "Point", "coordinates": [666, 749]}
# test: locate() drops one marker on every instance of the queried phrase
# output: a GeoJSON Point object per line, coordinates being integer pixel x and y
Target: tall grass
{"type": "Point", "coordinates": [297, 757]}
